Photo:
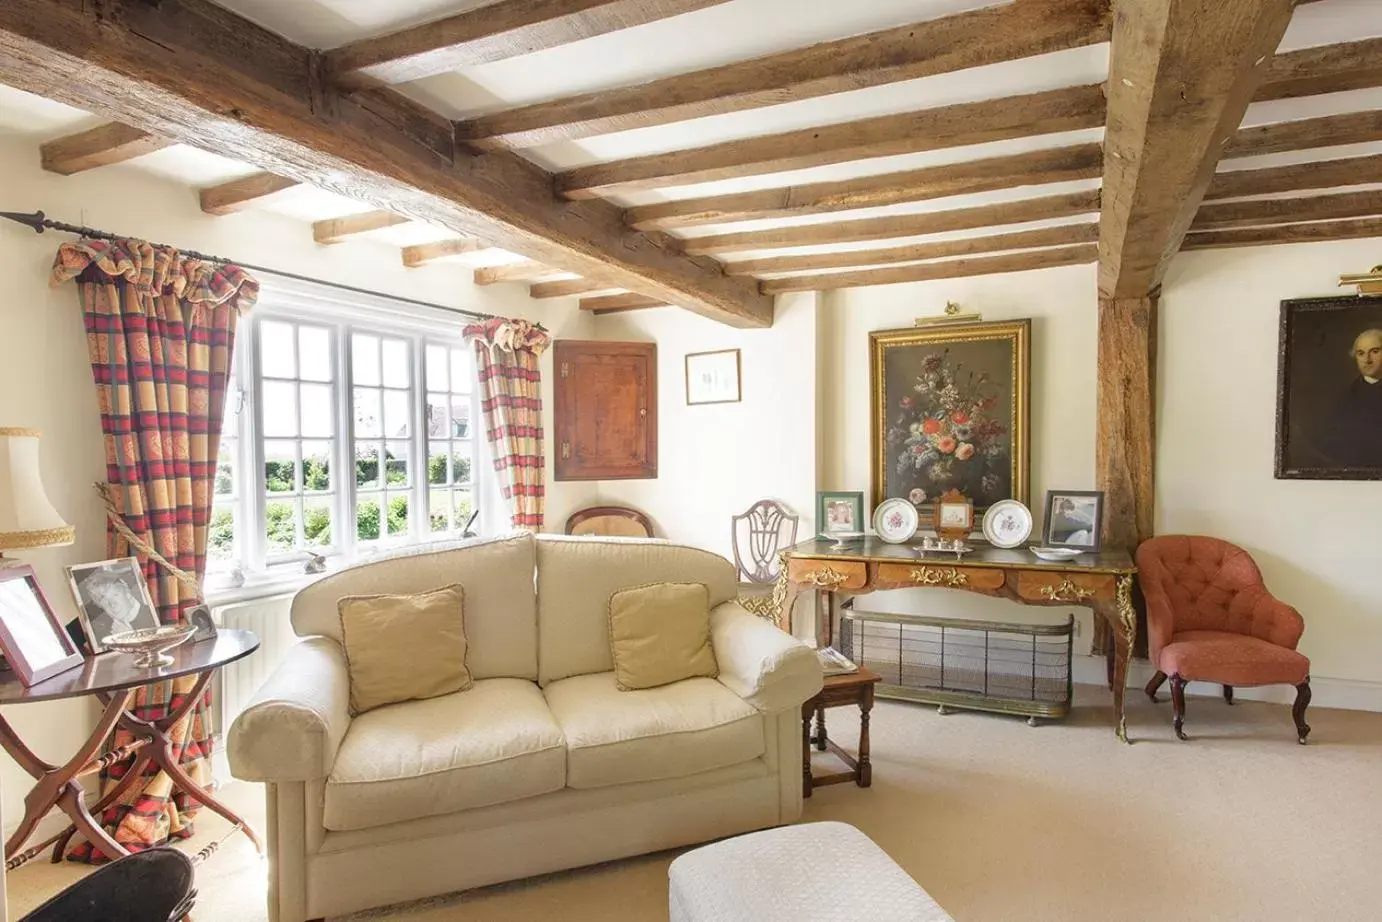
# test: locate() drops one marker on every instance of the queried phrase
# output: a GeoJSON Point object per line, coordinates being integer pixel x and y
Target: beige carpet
{"type": "Point", "coordinates": [1000, 821]}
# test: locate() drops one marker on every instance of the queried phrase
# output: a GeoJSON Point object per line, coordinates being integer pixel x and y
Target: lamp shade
{"type": "Point", "coordinates": [27, 518]}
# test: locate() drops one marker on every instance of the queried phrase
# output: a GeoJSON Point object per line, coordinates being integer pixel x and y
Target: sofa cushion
{"type": "Point", "coordinates": [660, 634]}
{"type": "Point", "coordinates": [492, 744]}
{"type": "Point", "coordinates": [404, 647]}
{"type": "Point", "coordinates": [576, 578]}
{"type": "Point", "coordinates": [615, 737]}
{"type": "Point", "coordinates": [1232, 659]}
{"type": "Point", "coordinates": [500, 602]}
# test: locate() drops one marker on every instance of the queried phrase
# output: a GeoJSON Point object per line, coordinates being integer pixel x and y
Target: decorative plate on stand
{"type": "Point", "coordinates": [896, 520]}
{"type": "Point", "coordinates": [1007, 523]}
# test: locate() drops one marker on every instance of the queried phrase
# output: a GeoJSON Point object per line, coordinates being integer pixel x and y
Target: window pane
{"type": "Point", "coordinates": [280, 408]}
{"type": "Point", "coordinates": [460, 463]}
{"type": "Point", "coordinates": [367, 467]}
{"type": "Point", "coordinates": [276, 350]}
{"type": "Point", "coordinates": [460, 417]}
{"type": "Point", "coordinates": [436, 368]}
{"type": "Point", "coordinates": [280, 464]}
{"type": "Point", "coordinates": [316, 523]}
{"type": "Point", "coordinates": [367, 422]}
{"type": "Point", "coordinates": [462, 371]}
{"type": "Point", "coordinates": [225, 469]}
{"type": "Point", "coordinates": [462, 506]}
{"type": "Point", "coordinates": [398, 515]}
{"type": "Point", "coordinates": [397, 414]}
{"type": "Point", "coordinates": [436, 416]}
{"type": "Point", "coordinates": [438, 505]}
{"type": "Point", "coordinates": [280, 525]}
{"type": "Point", "coordinates": [436, 463]}
{"type": "Point", "coordinates": [317, 410]}
{"type": "Point", "coordinates": [396, 364]}
{"type": "Point", "coordinates": [220, 541]}
{"type": "Point", "coordinates": [367, 518]}
{"type": "Point", "coordinates": [314, 353]}
{"type": "Point", "coordinates": [396, 465]}
{"type": "Point", "coordinates": [316, 466]}
{"type": "Point", "coordinates": [364, 359]}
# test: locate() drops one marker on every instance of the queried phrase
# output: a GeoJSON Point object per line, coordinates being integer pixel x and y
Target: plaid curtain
{"type": "Point", "coordinates": [506, 354]}
{"type": "Point", "coordinates": [160, 330]}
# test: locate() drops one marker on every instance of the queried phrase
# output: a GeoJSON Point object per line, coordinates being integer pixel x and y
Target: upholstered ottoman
{"type": "Point", "coordinates": [815, 871]}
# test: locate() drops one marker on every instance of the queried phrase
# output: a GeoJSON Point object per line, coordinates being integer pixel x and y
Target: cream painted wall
{"type": "Point", "coordinates": [45, 378]}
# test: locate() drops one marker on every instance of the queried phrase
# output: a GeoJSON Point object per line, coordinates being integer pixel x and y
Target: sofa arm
{"type": "Point", "coordinates": [766, 667]}
{"type": "Point", "coordinates": [295, 723]}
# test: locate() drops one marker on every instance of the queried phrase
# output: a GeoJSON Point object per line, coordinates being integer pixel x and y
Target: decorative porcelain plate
{"type": "Point", "coordinates": [896, 520]}
{"type": "Point", "coordinates": [1007, 523]}
{"type": "Point", "coordinates": [1056, 553]}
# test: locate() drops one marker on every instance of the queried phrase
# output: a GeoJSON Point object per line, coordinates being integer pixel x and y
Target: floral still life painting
{"type": "Point", "coordinates": [950, 412]}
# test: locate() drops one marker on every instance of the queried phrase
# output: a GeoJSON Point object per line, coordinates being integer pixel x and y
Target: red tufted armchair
{"type": "Point", "coordinates": [1211, 619]}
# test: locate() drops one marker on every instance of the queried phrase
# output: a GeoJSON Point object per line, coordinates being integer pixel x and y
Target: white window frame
{"type": "Point", "coordinates": [345, 313]}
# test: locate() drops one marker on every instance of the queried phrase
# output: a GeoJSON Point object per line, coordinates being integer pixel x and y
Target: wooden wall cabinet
{"type": "Point", "coordinates": [606, 410]}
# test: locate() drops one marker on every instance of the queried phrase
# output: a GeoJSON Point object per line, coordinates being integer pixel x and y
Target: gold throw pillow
{"type": "Point", "coordinates": [402, 647]}
{"type": "Point", "coordinates": [660, 634]}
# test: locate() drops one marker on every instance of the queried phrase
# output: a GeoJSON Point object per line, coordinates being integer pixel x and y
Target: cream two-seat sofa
{"type": "Point", "coordinates": [543, 764]}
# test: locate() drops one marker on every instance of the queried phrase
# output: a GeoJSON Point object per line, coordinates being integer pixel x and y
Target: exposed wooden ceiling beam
{"type": "Point", "coordinates": [1322, 174]}
{"type": "Point", "coordinates": [1306, 134]}
{"type": "Point", "coordinates": [423, 253]}
{"type": "Point", "coordinates": [238, 194]}
{"type": "Point", "coordinates": [970, 39]}
{"type": "Point", "coordinates": [565, 288]}
{"type": "Point", "coordinates": [1061, 164]}
{"type": "Point", "coordinates": [1181, 75]}
{"type": "Point", "coordinates": [1067, 109]}
{"type": "Point", "coordinates": [99, 146]}
{"type": "Point", "coordinates": [891, 226]}
{"type": "Point", "coordinates": [969, 246]}
{"type": "Point", "coordinates": [1283, 233]}
{"type": "Point", "coordinates": [493, 32]}
{"type": "Point", "coordinates": [525, 271]}
{"type": "Point", "coordinates": [950, 269]}
{"type": "Point", "coordinates": [1326, 69]}
{"type": "Point", "coordinates": [198, 73]}
{"type": "Point", "coordinates": [335, 230]}
{"type": "Point", "coordinates": [1288, 210]}
{"type": "Point", "coordinates": [614, 304]}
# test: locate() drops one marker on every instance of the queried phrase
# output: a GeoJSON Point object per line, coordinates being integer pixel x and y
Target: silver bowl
{"type": "Point", "coordinates": [150, 645]}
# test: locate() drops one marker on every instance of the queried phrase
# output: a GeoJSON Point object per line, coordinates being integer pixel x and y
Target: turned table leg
{"type": "Point", "coordinates": [820, 737]}
{"type": "Point", "coordinates": [865, 768]}
{"type": "Point", "coordinates": [806, 751]}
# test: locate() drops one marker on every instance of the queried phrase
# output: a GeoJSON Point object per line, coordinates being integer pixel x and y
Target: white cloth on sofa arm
{"type": "Point", "coordinates": [766, 667]}
{"type": "Point", "coordinates": [294, 725]}
{"type": "Point", "coordinates": [621, 737]}
{"type": "Point", "coordinates": [491, 744]}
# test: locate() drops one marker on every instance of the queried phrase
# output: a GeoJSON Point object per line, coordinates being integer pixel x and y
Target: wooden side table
{"type": "Point", "coordinates": [855, 688]}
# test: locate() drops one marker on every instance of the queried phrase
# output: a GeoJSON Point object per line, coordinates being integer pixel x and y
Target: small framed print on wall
{"type": "Point", "coordinates": [712, 377]}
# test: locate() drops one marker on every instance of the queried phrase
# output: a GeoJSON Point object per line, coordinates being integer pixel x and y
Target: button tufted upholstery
{"type": "Point", "coordinates": [1210, 618]}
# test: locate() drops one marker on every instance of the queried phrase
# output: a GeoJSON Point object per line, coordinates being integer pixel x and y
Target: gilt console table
{"type": "Point", "coordinates": [1101, 582]}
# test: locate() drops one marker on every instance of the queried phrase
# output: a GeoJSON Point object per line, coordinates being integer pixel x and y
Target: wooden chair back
{"type": "Point", "coordinates": [759, 533]}
{"type": "Point", "coordinates": [609, 521]}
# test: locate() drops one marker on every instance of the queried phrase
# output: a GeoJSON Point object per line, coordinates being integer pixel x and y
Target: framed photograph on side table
{"type": "Point", "coordinates": [112, 598]}
{"type": "Point", "coordinates": [1074, 519]}
{"type": "Point", "coordinates": [712, 377]}
{"type": "Point", "coordinates": [33, 639]}
{"type": "Point", "coordinates": [840, 513]}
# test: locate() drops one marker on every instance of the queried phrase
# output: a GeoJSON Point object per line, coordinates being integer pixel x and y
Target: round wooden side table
{"type": "Point", "coordinates": [113, 679]}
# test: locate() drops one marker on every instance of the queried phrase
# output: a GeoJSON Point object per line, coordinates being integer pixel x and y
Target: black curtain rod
{"type": "Point", "coordinates": [39, 222]}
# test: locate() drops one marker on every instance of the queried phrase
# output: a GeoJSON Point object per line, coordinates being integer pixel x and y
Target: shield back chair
{"type": "Point", "coordinates": [610, 521]}
{"type": "Point", "coordinates": [1210, 618]}
{"type": "Point", "coordinates": [759, 534]}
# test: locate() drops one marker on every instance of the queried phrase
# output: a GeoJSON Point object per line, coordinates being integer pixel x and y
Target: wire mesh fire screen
{"type": "Point", "coordinates": [1009, 668]}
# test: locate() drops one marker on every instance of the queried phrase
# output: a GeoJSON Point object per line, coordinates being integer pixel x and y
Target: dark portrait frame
{"type": "Point", "coordinates": [1297, 455]}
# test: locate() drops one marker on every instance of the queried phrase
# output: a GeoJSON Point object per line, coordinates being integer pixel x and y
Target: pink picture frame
{"type": "Point", "coordinates": [33, 640]}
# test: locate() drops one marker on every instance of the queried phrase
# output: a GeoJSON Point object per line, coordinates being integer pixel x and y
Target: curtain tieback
{"type": "Point", "coordinates": [144, 547]}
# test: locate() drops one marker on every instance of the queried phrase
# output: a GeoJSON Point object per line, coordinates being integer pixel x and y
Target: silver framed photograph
{"type": "Point", "coordinates": [712, 377]}
{"type": "Point", "coordinates": [1074, 519]}
{"type": "Point", "coordinates": [112, 598]}
{"type": "Point", "coordinates": [32, 638]}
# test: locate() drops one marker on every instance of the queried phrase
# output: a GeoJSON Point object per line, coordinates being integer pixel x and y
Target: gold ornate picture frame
{"type": "Point", "coordinates": [950, 410]}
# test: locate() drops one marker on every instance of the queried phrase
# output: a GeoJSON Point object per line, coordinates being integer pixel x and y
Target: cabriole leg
{"type": "Point", "coordinates": [1298, 711]}
{"type": "Point", "coordinates": [1178, 705]}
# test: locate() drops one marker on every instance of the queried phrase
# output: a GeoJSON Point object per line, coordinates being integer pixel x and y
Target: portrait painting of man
{"type": "Point", "coordinates": [1329, 405]}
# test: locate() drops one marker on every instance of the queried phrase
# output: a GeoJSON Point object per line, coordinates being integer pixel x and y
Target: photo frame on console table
{"type": "Point", "coordinates": [1329, 389]}
{"type": "Point", "coordinates": [949, 411]}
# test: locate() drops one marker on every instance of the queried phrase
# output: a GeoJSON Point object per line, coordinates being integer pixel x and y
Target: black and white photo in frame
{"type": "Point", "coordinates": [112, 598]}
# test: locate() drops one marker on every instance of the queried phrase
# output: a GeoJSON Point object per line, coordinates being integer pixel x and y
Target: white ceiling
{"type": "Point", "coordinates": [731, 31]}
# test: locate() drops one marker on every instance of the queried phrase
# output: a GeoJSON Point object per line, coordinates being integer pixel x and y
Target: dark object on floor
{"type": "Point", "coordinates": [150, 886]}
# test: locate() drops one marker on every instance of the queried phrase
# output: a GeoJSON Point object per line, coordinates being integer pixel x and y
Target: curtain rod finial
{"type": "Point", "coordinates": [35, 220]}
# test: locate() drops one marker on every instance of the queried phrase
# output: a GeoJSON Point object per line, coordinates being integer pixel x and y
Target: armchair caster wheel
{"type": "Point", "coordinates": [943, 710]}
{"type": "Point", "coordinates": [1033, 722]}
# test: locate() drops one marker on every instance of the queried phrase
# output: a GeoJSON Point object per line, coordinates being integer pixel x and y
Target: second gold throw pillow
{"type": "Point", "coordinates": [660, 634]}
{"type": "Point", "coordinates": [402, 647]}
